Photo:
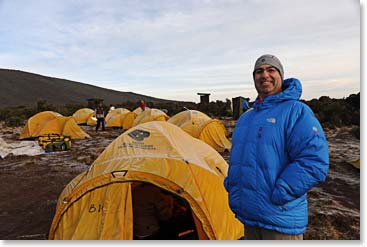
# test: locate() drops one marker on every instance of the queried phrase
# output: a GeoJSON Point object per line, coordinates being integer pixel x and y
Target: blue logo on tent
{"type": "Point", "coordinates": [139, 135]}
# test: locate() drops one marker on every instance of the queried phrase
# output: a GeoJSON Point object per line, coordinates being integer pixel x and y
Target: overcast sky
{"type": "Point", "coordinates": [174, 49]}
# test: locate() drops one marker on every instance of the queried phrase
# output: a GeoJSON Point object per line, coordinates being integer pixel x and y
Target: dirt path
{"type": "Point", "coordinates": [30, 187]}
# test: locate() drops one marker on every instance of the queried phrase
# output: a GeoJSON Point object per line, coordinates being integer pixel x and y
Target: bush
{"type": "Point", "coordinates": [14, 121]}
{"type": "Point", "coordinates": [356, 132]}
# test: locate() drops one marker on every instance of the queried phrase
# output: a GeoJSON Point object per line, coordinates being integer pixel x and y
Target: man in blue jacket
{"type": "Point", "coordinates": [279, 152]}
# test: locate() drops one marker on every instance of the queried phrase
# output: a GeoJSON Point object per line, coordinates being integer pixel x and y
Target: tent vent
{"type": "Point", "coordinates": [121, 173]}
{"type": "Point", "coordinates": [219, 170]}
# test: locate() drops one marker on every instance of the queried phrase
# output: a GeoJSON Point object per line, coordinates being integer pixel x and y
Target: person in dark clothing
{"type": "Point", "coordinates": [99, 113]}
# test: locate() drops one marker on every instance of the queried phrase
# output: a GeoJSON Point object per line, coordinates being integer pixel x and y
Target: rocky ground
{"type": "Point", "coordinates": [30, 186]}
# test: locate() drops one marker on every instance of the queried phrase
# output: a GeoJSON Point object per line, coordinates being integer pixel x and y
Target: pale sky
{"type": "Point", "coordinates": [173, 49]}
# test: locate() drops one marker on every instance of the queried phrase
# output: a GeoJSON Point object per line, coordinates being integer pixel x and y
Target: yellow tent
{"type": "Point", "coordinates": [36, 122]}
{"type": "Point", "coordinates": [116, 117]}
{"type": "Point", "coordinates": [65, 126]}
{"type": "Point", "coordinates": [129, 120]}
{"type": "Point", "coordinates": [82, 116]}
{"type": "Point", "coordinates": [138, 110]}
{"type": "Point", "coordinates": [130, 117]}
{"type": "Point", "coordinates": [201, 126]}
{"type": "Point", "coordinates": [97, 204]}
{"type": "Point", "coordinates": [149, 115]}
{"type": "Point", "coordinates": [92, 121]}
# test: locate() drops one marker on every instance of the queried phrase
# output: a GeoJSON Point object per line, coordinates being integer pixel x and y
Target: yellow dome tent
{"type": "Point", "coordinates": [92, 121]}
{"type": "Point", "coordinates": [130, 117]}
{"type": "Point", "coordinates": [116, 117]}
{"type": "Point", "coordinates": [97, 204]}
{"type": "Point", "coordinates": [129, 120]}
{"type": "Point", "coordinates": [201, 126]}
{"type": "Point", "coordinates": [65, 126]}
{"type": "Point", "coordinates": [36, 122]}
{"type": "Point", "coordinates": [138, 110]}
{"type": "Point", "coordinates": [82, 115]}
{"type": "Point", "coordinates": [149, 115]}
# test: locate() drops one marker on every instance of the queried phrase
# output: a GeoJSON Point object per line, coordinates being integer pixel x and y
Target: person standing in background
{"type": "Point", "coordinates": [142, 105]}
{"type": "Point", "coordinates": [99, 113]}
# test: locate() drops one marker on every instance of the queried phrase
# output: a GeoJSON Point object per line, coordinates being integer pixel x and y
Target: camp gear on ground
{"type": "Point", "coordinates": [30, 148]}
{"type": "Point", "coordinates": [54, 142]}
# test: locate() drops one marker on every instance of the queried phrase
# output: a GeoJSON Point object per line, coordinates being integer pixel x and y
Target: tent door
{"type": "Point", "coordinates": [159, 214]}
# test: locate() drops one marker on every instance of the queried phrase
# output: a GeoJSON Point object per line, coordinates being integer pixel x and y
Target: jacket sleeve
{"type": "Point", "coordinates": [307, 150]}
{"type": "Point", "coordinates": [226, 183]}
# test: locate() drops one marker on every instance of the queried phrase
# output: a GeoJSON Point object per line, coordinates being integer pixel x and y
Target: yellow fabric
{"type": "Point", "coordinates": [92, 120]}
{"type": "Point", "coordinates": [65, 126]}
{"type": "Point", "coordinates": [191, 121]}
{"type": "Point", "coordinates": [82, 116]}
{"type": "Point", "coordinates": [105, 204]}
{"type": "Point", "coordinates": [201, 126]}
{"type": "Point", "coordinates": [355, 163]}
{"type": "Point", "coordinates": [214, 134]}
{"type": "Point", "coordinates": [156, 152]}
{"type": "Point", "coordinates": [36, 122]}
{"type": "Point", "coordinates": [138, 110]}
{"type": "Point", "coordinates": [149, 115]}
{"type": "Point", "coordinates": [116, 117]}
{"type": "Point", "coordinates": [129, 120]}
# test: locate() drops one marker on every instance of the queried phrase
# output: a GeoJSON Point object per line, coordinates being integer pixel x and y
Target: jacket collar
{"type": "Point", "coordinates": [292, 90]}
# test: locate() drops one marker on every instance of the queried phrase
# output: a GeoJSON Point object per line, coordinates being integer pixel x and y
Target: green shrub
{"type": "Point", "coordinates": [14, 121]}
{"type": "Point", "coordinates": [356, 132]}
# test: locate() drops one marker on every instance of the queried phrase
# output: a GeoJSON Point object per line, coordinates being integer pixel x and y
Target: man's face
{"type": "Point", "coordinates": [267, 80]}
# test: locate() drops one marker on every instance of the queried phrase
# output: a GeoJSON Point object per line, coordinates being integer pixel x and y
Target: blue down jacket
{"type": "Point", "coordinates": [279, 152]}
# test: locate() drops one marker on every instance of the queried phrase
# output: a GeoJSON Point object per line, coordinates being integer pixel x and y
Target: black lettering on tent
{"type": "Point", "coordinates": [81, 196]}
{"type": "Point", "coordinates": [93, 209]}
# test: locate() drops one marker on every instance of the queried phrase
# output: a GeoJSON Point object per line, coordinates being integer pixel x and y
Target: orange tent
{"type": "Point", "coordinates": [36, 122]}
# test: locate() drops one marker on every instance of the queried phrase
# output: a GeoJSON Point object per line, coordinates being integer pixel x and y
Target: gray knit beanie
{"type": "Point", "coordinates": [270, 60]}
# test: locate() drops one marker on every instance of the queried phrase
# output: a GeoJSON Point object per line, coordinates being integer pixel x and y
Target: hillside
{"type": "Point", "coordinates": [24, 88]}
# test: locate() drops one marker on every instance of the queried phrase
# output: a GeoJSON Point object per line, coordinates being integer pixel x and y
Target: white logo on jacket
{"type": "Point", "coordinates": [271, 120]}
